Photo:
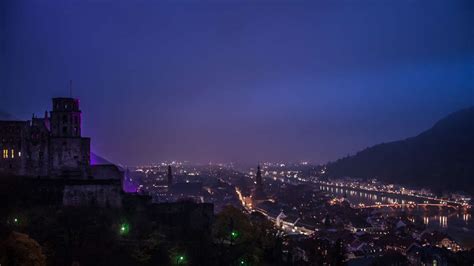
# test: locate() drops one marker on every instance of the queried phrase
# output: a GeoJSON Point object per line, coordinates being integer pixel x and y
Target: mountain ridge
{"type": "Point", "coordinates": [441, 157]}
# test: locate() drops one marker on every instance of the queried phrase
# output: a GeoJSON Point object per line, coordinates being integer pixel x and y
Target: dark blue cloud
{"type": "Point", "coordinates": [240, 80]}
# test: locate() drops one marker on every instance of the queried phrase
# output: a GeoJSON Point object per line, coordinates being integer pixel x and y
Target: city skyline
{"type": "Point", "coordinates": [237, 132]}
{"type": "Point", "coordinates": [281, 83]}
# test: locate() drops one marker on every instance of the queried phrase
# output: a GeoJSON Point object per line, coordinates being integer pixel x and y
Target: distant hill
{"type": "Point", "coordinates": [441, 158]}
{"type": "Point", "coordinates": [5, 116]}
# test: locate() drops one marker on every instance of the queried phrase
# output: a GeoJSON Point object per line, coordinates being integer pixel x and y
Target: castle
{"type": "Point", "coordinates": [51, 146]}
{"type": "Point", "coordinates": [52, 150]}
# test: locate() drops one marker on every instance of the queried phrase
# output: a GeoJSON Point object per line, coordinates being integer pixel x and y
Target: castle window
{"type": "Point", "coordinates": [5, 153]}
{"type": "Point", "coordinates": [64, 130]}
{"type": "Point", "coordinates": [19, 154]}
{"type": "Point", "coordinates": [64, 119]}
{"type": "Point", "coordinates": [13, 153]}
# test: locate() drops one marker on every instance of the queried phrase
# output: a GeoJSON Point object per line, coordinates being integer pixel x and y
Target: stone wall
{"type": "Point", "coordinates": [37, 150]}
{"type": "Point", "coordinates": [98, 195]}
{"type": "Point", "coordinates": [187, 215]}
{"type": "Point", "coordinates": [69, 157]}
{"type": "Point", "coordinates": [106, 171]}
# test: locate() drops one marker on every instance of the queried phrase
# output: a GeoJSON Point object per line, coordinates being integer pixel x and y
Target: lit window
{"type": "Point", "coordinates": [13, 153]}
{"type": "Point", "coordinates": [19, 154]}
{"type": "Point", "coordinates": [5, 153]}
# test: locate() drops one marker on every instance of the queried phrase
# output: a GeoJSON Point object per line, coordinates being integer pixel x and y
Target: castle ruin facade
{"type": "Point", "coordinates": [51, 146]}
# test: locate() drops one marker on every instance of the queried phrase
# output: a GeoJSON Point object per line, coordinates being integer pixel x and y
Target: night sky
{"type": "Point", "coordinates": [241, 81]}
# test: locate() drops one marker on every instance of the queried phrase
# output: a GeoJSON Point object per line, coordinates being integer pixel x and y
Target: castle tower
{"type": "Point", "coordinates": [170, 176]}
{"type": "Point", "coordinates": [66, 118]}
{"type": "Point", "coordinates": [69, 152]}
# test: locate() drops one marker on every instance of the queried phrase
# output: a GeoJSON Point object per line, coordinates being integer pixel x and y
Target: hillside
{"type": "Point", "coordinates": [441, 158]}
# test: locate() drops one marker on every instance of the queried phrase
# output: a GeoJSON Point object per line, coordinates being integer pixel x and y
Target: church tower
{"type": "Point", "coordinates": [258, 193]}
{"type": "Point", "coordinates": [170, 176]}
{"type": "Point", "coordinates": [259, 179]}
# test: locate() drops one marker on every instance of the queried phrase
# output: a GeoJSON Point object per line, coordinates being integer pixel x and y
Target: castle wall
{"type": "Point", "coordinates": [99, 195]}
{"type": "Point", "coordinates": [106, 171]}
{"type": "Point", "coordinates": [69, 157]}
{"type": "Point", "coordinates": [13, 144]}
{"type": "Point", "coordinates": [55, 149]}
{"type": "Point", "coordinates": [37, 151]}
{"type": "Point", "coordinates": [50, 147]}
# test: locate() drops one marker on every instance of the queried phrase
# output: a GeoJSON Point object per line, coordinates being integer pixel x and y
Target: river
{"type": "Point", "coordinates": [458, 224]}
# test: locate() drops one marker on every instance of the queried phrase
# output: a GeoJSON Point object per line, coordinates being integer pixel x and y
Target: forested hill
{"type": "Point", "coordinates": [441, 158]}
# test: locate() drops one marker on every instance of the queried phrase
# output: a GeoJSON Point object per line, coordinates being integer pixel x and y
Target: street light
{"type": "Point", "coordinates": [124, 228]}
{"type": "Point", "coordinates": [234, 235]}
{"type": "Point", "coordinates": [180, 259]}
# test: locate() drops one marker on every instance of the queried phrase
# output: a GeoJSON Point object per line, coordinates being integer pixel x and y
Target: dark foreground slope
{"type": "Point", "coordinates": [441, 158]}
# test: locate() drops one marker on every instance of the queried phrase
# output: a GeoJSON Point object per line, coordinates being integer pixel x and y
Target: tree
{"type": "Point", "coordinates": [19, 249]}
{"type": "Point", "coordinates": [244, 240]}
{"type": "Point", "coordinates": [146, 248]}
{"type": "Point", "coordinates": [232, 232]}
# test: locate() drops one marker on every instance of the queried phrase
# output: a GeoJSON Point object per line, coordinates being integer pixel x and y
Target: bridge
{"type": "Point", "coordinates": [435, 202]}
{"type": "Point", "coordinates": [408, 205]}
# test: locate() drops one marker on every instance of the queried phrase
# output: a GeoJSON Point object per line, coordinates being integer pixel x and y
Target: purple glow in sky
{"type": "Point", "coordinates": [241, 81]}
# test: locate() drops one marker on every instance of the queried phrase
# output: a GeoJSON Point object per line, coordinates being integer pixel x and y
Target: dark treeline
{"type": "Point", "coordinates": [43, 232]}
